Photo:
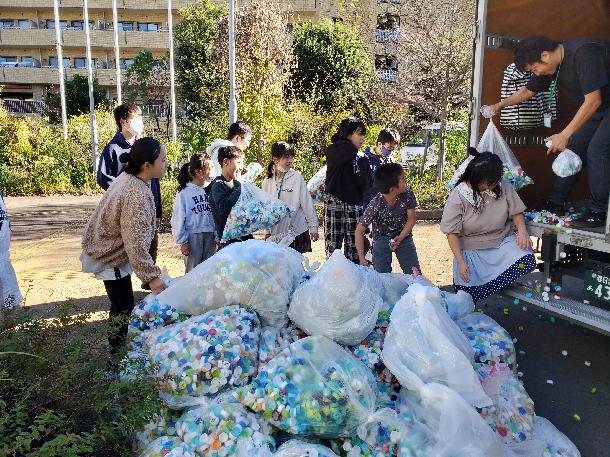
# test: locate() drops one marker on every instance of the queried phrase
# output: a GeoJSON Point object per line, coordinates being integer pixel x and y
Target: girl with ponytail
{"type": "Point", "coordinates": [287, 184]}
{"type": "Point", "coordinates": [192, 221]}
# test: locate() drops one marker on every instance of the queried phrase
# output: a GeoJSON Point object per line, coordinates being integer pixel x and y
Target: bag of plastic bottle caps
{"type": "Point", "coordinates": [298, 448]}
{"type": "Point", "coordinates": [136, 364]}
{"type": "Point", "coordinates": [423, 340]}
{"type": "Point", "coordinates": [150, 314]}
{"type": "Point", "coordinates": [457, 305]}
{"type": "Point", "coordinates": [313, 387]}
{"type": "Point", "coordinates": [315, 185]}
{"type": "Point", "coordinates": [567, 163]}
{"type": "Point", "coordinates": [254, 210]}
{"type": "Point", "coordinates": [206, 353]}
{"type": "Point", "coordinates": [274, 340]}
{"type": "Point", "coordinates": [163, 424]}
{"type": "Point", "coordinates": [546, 441]}
{"type": "Point", "coordinates": [491, 342]}
{"type": "Point", "coordinates": [338, 302]}
{"type": "Point", "coordinates": [167, 446]}
{"type": "Point", "coordinates": [395, 285]}
{"type": "Point", "coordinates": [454, 427]}
{"type": "Point", "coordinates": [512, 413]}
{"type": "Point", "coordinates": [252, 273]}
{"type": "Point", "coordinates": [225, 428]}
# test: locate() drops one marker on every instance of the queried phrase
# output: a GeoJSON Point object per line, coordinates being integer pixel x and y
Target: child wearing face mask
{"type": "Point", "coordinates": [288, 185]}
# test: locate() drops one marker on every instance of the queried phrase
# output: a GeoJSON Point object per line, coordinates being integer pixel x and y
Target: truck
{"type": "Point", "coordinates": [573, 277]}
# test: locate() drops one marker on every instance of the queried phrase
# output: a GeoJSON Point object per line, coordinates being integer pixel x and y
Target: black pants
{"type": "Point", "coordinates": [592, 143]}
{"type": "Point", "coordinates": [122, 302]}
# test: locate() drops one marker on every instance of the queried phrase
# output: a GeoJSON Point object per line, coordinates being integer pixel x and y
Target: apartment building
{"type": "Point", "coordinates": [28, 56]}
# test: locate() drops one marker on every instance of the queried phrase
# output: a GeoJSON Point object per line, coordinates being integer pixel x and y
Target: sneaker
{"type": "Point", "coordinates": [593, 220]}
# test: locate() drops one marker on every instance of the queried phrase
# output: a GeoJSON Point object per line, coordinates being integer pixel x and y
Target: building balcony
{"type": "Point", "coordinates": [296, 6]}
{"type": "Point", "coordinates": [45, 38]}
{"type": "Point", "coordinates": [387, 36]}
{"type": "Point", "coordinates": [387, 75]}
{"type": "Point", "coordinates": [24, 107]}
{"type": "Point", "coordinates": [50, 76]}
{"type": "Point", "coordinates": [95, 4]}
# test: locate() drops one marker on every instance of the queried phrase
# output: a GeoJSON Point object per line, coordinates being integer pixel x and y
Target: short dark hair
{"type": "Point", "coordinates": [228, 152]}
{"type": "Point", "coordinates": [348, 126]}
{"type": "Point", "coordinates": [389, 135]}
{"type": "Point", "coordinates": [238, 128]}
{"type": "Point", "coordinates": [124, 111]}
{"type": "Point", "coordinates": [529, 50]}
{"type": "Point", "coordinates": [144, 150]}
{"type": "Point", "coordinates": [387, 176]}
{"type": "Point", "coordinates": [485, 167]}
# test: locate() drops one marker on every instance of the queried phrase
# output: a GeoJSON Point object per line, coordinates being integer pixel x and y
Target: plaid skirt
{"type": "Point", "coordinates": [302, 243]}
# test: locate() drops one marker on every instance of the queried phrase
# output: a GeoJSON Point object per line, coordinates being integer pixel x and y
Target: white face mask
{"type": "Point", "coordinates": [282, 168]}
{"type": "Point", "coordinates": [135, 127]}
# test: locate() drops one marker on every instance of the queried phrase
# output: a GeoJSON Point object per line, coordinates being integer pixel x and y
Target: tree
{"type": "Point", "coordinates": [434, 54]}
{"type": "Point", "coordinates": [264, 63]}
{"type": "Point", "coordinates": [199, 83]}
{"type": "Point", "coordinates": [148, 84]}
{"type": "Point", "coordinates": [77, 98]}
{"type": "Point", "coordinates": [333, 64]}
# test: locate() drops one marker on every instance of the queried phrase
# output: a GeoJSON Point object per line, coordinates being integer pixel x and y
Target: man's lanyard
{"type": "Point", "coordinates": [553, 90]}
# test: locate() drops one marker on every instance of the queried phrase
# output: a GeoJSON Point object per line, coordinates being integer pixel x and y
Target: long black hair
{"type": "Point", "coordinates": [188, 170]}
{"type": "Point", "coordinates": [144, 150]}
{"type": "Point", "coordinates": [348, 126]}
{"type": "Point", "coordinates": [279, 149]}
{"type": "Point", "coordinates": [484, 168]}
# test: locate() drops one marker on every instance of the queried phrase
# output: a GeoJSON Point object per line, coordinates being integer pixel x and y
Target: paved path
{"type": "Point", "coordinates": [46, 246]}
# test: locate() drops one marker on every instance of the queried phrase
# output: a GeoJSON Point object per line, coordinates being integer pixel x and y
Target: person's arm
{"type": "Point", "coordinates": [225, 197]}
{"type": "Point", "coordinates": [178, 223]}
{"type": "Point", "coordinates": [523, 238]}
{"type": "Point", "coordinates": [360, 229]}
{"type": "Point", "coordinates": [134, 216]}
{"type": "Point", "coordinates": [105, 175]}
{"type": "Point", "coordinates": [406, 230]}
{"type": "Point", "coordinates": [309, 209]}
{"type": "Point", "coordinates": [593, 101]}
{"type": "Point", "coordinates": [454, 244]}
{"type": "Point", "coordinates": [518, 97]}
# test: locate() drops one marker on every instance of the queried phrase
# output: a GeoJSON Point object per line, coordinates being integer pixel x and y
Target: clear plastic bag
{"type": "Point", "coordinates": [423, 343]}
{"type": "Point", "coordinates": [567, 163]}
{"type": "Point", "coordinates": [493, 141]}
{"type": "Point", "coordinates": [167, 446]}
{"type": "Point", "coordinates": [161, 425]}
{"type": "Point", "coordinates": [340, 302]}
{"type": "Point", "coordinates": [313, 387]}
{"type": "Point", "coordinates": [297, 448]}
{"type": "Point", "coordinates": [225, 428]}
{"type": "Point", "coordinates": [547, 441]}
{"type": "Point", "coordinates": [457, 305]}
{"type": "Point", "coordinates": [490, 341]}
{"type": "Point", "coordinates": [274, 340]}
{"type": "Point", "coordinates": [253, 273]}
{"type": "Point", "coordinates": [316, 183]}
{"type": "Point", "coordinates": [253, 170]}
{"type": "Point", "coordinates": [254, 211]}
{"type": "Point", "coordinates": [395, 285]}
{"type": "Point", "coordinates": [512, 413]}
{"type": "Point", "coordinates": [206, 353]}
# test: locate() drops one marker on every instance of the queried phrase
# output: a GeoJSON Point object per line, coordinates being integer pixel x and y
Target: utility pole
{"type": "Point", "coordinates": [60, 69]}
{"type": "Point", "coordinates": [90, 80]}
{"type": "Point", "coordinates": [233, 98]}
{"type": "Point", "coordinates": [117, 55]}
{"type": "Point", "coordinates": [172, 81]}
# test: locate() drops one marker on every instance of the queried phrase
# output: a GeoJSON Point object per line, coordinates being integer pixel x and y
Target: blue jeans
{"type": "Point", "coordinates": [382, 254]}
{"type": "Point", "coordinates": [592, 144]}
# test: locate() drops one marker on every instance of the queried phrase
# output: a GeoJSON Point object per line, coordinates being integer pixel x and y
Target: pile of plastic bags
{"type": "Point", "coordinates": [250, 351]}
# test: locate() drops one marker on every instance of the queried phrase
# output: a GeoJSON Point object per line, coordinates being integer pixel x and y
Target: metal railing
{"type": "Point", "coordinates": [387, 36]}
{"type": "Point", "coordinates": [387, 75]}
{"type": "Point", "coordinates": [390, 1]}
{"type": "Point", "coordinates": [24, 106]}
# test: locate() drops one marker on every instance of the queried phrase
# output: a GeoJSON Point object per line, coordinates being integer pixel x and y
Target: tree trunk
{"type": "Point", "coordinates": [428, 140]}
{"type": "Point", "coordinates": [440, 164]}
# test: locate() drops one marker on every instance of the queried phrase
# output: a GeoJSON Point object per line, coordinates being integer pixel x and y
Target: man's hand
{"type": "Point", "coordinates": [157, 285]}
{"type": "Point", "coordinates": [559, 143]}
{"type": "Point", "coordinates": [185, 249]}
{"type": "Point", "coordinates": [464, 272]}
{"type": "Point", "coordinates": [364, 262]}
{"type": "Point", "coordinates": [314, 237]}
{"type": "Point", "coordinates": [523, 239]}
{"type": "Point", "coordinates": [396, 242]}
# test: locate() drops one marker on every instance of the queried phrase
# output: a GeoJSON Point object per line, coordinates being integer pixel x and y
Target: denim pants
{"type": "Point", "coordinates": [382, 254]}
{"type": "Point", "coordinates": [592, 143]}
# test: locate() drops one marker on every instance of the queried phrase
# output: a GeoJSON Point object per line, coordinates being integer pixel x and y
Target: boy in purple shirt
{"type": "Point", "coordinates": [392, 215]}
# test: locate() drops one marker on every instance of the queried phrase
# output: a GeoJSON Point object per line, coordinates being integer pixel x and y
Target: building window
{"type": "Point", "coordinates": [126, 63]}
{"type": "Point", "coordinates": [148, 27]}
{"type": "Point", "coordinates": [387, 28]}
{"type": "Point", "coordinates": [79, 25]}
{"type": "Point", "coordinates": [53, 62]}
{"type": "Point", "coordinates": [50, 24]}
{"type": "Point", "coordinates": [290, 28]}
{"type": "Point", "coordinates": [8, 61]}
{"type": "Point", "coordinates": [125, 26]}
{"type": "Point", "coordinates": [26, 61]}
{"type": "Point", "coordinates": [25, 24]}
{"type": "Point", "coordinates": [7, 24]}
{"type": "Point", "coordinates": [386, 67]}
